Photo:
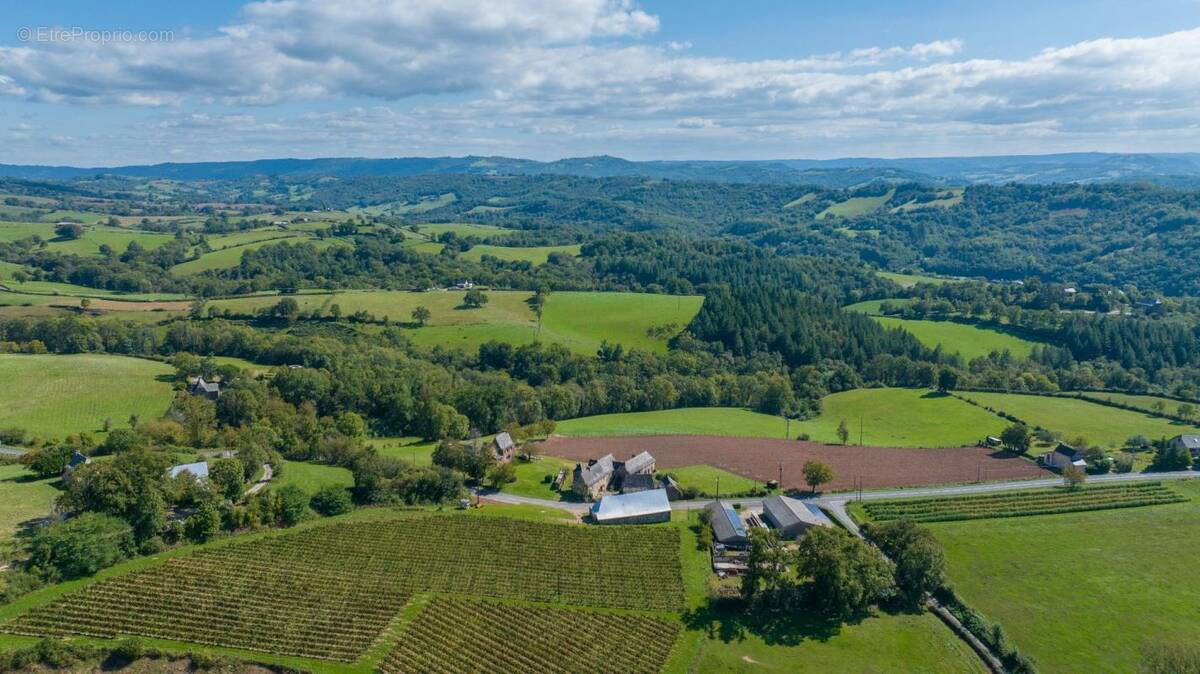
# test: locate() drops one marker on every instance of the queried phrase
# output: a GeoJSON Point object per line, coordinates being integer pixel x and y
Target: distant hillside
{"type": "Point", "coordinates": [1182, 170]}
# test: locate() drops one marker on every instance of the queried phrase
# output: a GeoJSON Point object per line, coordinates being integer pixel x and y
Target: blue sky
{"type": "Point", "coordinates": [554, 78]}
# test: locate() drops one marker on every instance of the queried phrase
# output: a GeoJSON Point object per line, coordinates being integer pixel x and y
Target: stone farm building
{"type": "Point", "coordinates": [502, 448]}
{"type": "Point", "coordinates": [792, 517]}
{"type": "Point", "coordinates": [727, 525]}
{"type": "Point", "coordinates": [209, 389]}
{"type": "Point", "coordinates": [590, 482]}
{"type": "Point", "coordinates": [643, 507]}
{"type": "Point", "coordinates": [1188, 442]}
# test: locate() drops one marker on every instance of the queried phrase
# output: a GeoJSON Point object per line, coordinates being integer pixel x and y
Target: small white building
{"type": "Point", "coordinates": [1063, 457]}
{"type": "Point", "coordinates": [198, 469]}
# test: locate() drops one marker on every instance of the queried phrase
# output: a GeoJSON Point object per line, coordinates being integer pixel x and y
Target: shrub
{"type": "Point", "coordinates": [332, 500]}
{"type": "Point", "coordinates": [81, 546]}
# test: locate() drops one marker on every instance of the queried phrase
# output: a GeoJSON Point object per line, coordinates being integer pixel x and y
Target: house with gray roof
{"type": "Point", "coordinates": [502, 447]}
{"type": "Point", "coordinates": [642, 464]}
{"type": "Point", "coordinates": [1188, 442]}
{"type": "Point", "coordinates": [209, 389]}
{"type": "Point", "coordinates": [198, 469]}
{"type": "Point", "coordinates": [1062, 457]}
{"type": "Point", "coordinates": [643, 507]}
{"type": "Point", "coordinates": [728, 528]}
{"type": "Point", "coordinates": [590, 482]}
{"type": "Point", "coordinates": [792, 517]}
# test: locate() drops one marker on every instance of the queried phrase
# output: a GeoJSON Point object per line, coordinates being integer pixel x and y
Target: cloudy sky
{"type": "Point", "coordinates": [106, 83]}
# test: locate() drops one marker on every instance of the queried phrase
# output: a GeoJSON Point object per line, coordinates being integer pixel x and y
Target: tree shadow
{"type": "Point", "coordinates": [935, 394]}
{"type": "Point", "coordinates": [730, 619]}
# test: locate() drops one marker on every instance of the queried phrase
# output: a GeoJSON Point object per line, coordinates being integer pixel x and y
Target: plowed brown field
{"type": "Point", "coordinates": [759, 458]}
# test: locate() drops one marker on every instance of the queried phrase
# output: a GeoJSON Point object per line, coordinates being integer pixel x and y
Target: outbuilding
{"type": "Point", "coordinates": [198, 469]}
{"type": "Point", "coordinates": [1064, 456]}
{"type": "Point", "coordinates": [728, 528]}
{"type": "Point", "coordinates": [792, 517]}
{"type": "Point", "coordinates": [643, 507]}
{"type": "Point", "coordinates": [1188, 442]}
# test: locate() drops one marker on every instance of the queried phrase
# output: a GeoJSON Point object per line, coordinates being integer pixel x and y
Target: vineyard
{"type": "Point", "coordinates": [1022, 503]}
{"type": "Point", "coordinates": [454, 635]}
{"type": "Point", "coordinates": [329, 591]}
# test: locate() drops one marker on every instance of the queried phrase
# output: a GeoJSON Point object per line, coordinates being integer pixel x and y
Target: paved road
{"type": "Point", "coordinates": [836, 503]}
{"type": "Point", "coordinates": [262, 481]}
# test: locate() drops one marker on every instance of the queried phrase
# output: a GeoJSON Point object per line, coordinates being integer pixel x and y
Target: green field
{"type": "Point", "coordinates": [51, 396]}
{"type": "Point", "coordinates": [89, 244]}
{"type": "Point", "coordinates": [311, 476]}
{"type": "Point", "coordinates": [1099, 424]}
{"type": "Point", "coordinates": [535, 255]}
{"type": "Point", "coordinates": [226, 258]}
{"type": "Point", "coordinates": [968, 341]}
{"type": "Point", "coordinates": [1083, 592]}
{"type": "Point", "coordinates": [705, 479]}
{"type": "Point", "coordinates": [855, 206]}
{"type": "Point", "coordinates": [725, 421]}
{"type": "Point", "coordinates": [947, 199]}
{"type": "Point", "coordinates": [23, 497]}
{"type": "Point", "coordinates": [802, 199]}
{"type": "Point", "coordinates": [891, 417]}
{"type": "Point", "coordinates": [872, 307]}
{"type": "Point", "coordinates": [910, 280]}
{"type": "Point", "coordinates": [1144, 402]}
{"type": "Point", "coordinates": [436, 229]}
{"type": "Point", "coordinates": [578, 320]}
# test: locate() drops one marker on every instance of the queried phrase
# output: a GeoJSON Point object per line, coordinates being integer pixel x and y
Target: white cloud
{"type": "Point", "coordinates": [552, 76]}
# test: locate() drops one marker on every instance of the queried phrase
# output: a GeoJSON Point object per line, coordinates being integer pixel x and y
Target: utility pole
{"type": "Point", "coordinates": [788, 433]}
{"type": "Point", "coordinates": [718, 487]}
{"type": "Point", "coordinates": [781, 474]}
{"type": "Point", "coordinates": [860, 431]}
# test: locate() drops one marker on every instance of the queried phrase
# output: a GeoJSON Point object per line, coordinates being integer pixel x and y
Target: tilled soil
{"type": "Point", "coordinates": [760, 458]}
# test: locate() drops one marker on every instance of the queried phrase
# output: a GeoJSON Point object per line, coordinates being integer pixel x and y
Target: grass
{"type": "Point", "coordinates": [311, 476]}
{"type": "Point", "coordinates": [226, 258]}
{"type": "Point", "coordinates": [873, 307]}
{"type": "Point", "coordinates": [1099, 424]}
{"type": "Point", "coordinates": [802, 199]}
{"type": "Point", "coordinates": [968, 341]}
{"type": "Point", "coordinates": [89, 243]}
{"type": "Point", "coordinates": [535, 255]}
{"type": "Point", "coordinates": [910, 280]}
{"type": "Point", "coordinates": [1144, 402]}
{"type": "Point", "coordinates": [52, 396]}
{"type": "Point", "coordinates": [1062, 584]}
{"type": "Point", "coordinates": [891, 417]}
{"type": "Point", "coordinates": [898, 417]}
{"type": "Point", "coordinates": [532, 477]}
{"type": "Point", "coordinates": [947, 199]}
{"type": "Point", "coordinates": [436, 229]}
{"type": "Point", "coordinates": [23, 497]}
{"type": "Point", "coordinates": [577, 320]}
{"type": "Point", "coordinates": [726, 421]}
{"type": "Point", "coordinates": [855, 206]}
{"type": "Point", "coordinates": [705, 479]}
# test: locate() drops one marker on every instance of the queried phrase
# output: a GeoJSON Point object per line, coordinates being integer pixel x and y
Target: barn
{"type": "Point", "coordinates": [643, 507]}
{"type": "Point", "coordinates": [792, 517]}
{"type": "Point", "coordinates": [727, 525]}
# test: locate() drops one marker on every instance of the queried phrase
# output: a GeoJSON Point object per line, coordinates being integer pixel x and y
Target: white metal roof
{"type": "Point", "coordinates": [649, 502]}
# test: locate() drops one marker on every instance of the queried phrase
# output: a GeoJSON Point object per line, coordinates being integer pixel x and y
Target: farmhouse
{"type": "Point", "coordinates": [640, 482]}
{"type": "Point", "coordinates": [728, 528]}
{"type": "Point", "coordinates": [198, 469]}
{"type": "Point", "coordinates": [1188, 442]}
{"type": "Point", "coordinates": [642, 464]}
{"type": "Point", "coordinates": [1063, 457]}
{"type": "Point", "coordinates": [77, 460]}
{"type": "Point", "coordinates": [209, 389]}
{"type": "Point", "coordinates": [643, 507]}
{"type": "Point", "coordinates": [590, 482]}
{"type": "Point", "coordinates": [502, 448]}
{"type": "Point", "coordinates": [793, 517]}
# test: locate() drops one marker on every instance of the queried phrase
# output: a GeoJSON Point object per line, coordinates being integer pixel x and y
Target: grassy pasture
{"type": "Point", "coordinates": [226, 258]}
{"type": "Point", "coordinates": [872, 307]}
{"type": "Point", "coordinates": [535, 255]}
{"type": "Point", "coordinates": [968, 341]}
{"type": "Point", "coordinates": [947, 199]}
{"type": "Point", "coordinates": [855, 206]}
{"type": "Point", "coordinates": [311, 476]}
{"type": "Point", "coordinates": [89, 243]}
{"type": "Point", "coordinates": [1144, 402]}
{"type": "Point", "coordinates": [23, 497]}
{"type": "Point", "coordinates": [1062, 584]}
{"type": "Point", "coordinates": [801, 200]}
{"type": "Point", "coordinates": [578, 320]}
{"type": "Point", "coordinates": [910, 280]}
{"type": "Point", "coordinates": [705, 479]}
{"type": "Point", "coordinates": [1099, 424]}
{"type": "Point", "coordinates": [436, 229]}
{"type": "Point", "coordinates": [52, 396]}
{"type": "Point", "coordinates": [891, 417]}
{"type": "Point", "coordinates": [727, 421]}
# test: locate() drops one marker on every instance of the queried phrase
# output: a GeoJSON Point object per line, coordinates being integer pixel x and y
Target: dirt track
{"type": "Point", "coordinates": [759, 458]}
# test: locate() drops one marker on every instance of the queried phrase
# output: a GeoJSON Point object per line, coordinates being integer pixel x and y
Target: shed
{"type": "Point", "coordinates": [1064, 456]}
{"type": "Point", "coordinates": [643, 507]}
{"type": "Point", "coordinates": [198, 469]}
{"type": "Point", "coordinates": [792, 517]}
{"type": "Point", "coordinates": [727, 525]}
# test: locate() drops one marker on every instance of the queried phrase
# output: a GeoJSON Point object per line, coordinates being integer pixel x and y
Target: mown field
{"type": "Point", "coordinates": [311, 476]}
{"type": "Point", "coordinates": [51, 396]}
{"type": "Point", "coordinates": [968, 341]}
{"type": "Point", "coordinates": [1144, 402]}
{"type": "Point", "coordinates": [910, 280]}
{"type": "Point", "coordinates": [1098, 424]}
{"type": "Point", "coordinates": [580, 321]}
{"type": "Point", "coordinates": [1083, 592]}
{"type": "Point", "coordinates": [117, 238]}
{"type": "Point", "coordinates": [534, 255]}
{"type": "Point", "coordinates": [23, 497]}
{"type": "Point", "coordinates": [890, 417]}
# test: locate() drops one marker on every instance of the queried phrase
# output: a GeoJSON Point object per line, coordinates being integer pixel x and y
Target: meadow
{"type": "Point", "coordinates": [968, 341]}
{"type": "Point", "coordinates": [117, 238]}
{"type": "Point", "coordinates": [581, 321]}
{"type": "Point", "coordinates": [310, 477]}
{"type": "Point", "coordinates": [51, 396]}
{"type": "Point", "coordinates": [1143, 402]}
{"type": "Point", "coordinates": [910, 280]}
{"type": "Point", "coordinates": [226, 258]}
{"type": "Point", "coordinates": [855, 206]}
{"type": "Point", "coordinates": [1091, 573]}
{"type": "Point", "coordinates": [534, 255]}
{"type": "Point", "coordinates": [23, 497]}
{"type": "Point", "coordinates": [1099, 424]}
{"type": "Point", "coordinates": [726, 421]}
